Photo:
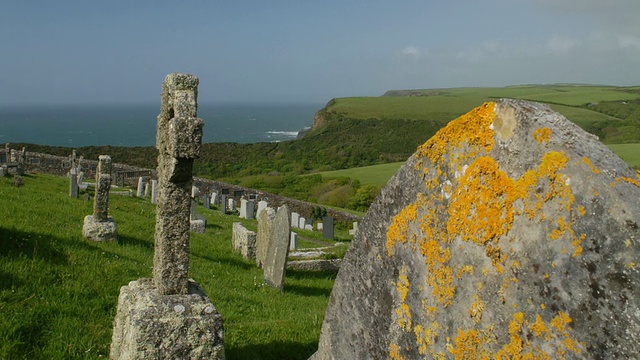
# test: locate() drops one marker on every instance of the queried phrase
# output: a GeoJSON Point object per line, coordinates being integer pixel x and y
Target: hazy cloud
{"type": "Point", "coordinates": [411, 51]}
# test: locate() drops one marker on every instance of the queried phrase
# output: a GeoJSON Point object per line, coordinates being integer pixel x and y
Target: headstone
{"type": "Point", "coordinates": [263, 237]}
{"type": "Point", "coordinates": [87, 197]}
{"type": "Point", "coordinates": [293, 242]}
{"type": "Point", "coordinates": [278, 251]}
{"type": "Point", "coordinates": [261, 206]}
{"type": "Point", "coordinates": [353, 231]}
{"type": "Point", "coordinates": [195, 192]}
{"type": "Point", "coordinates": [511, 233]}
{"type": "Point", "coordinates": [73, 183]}
{"type": "Point", "coordinates": [250, 210]}
{"type": "Point", "coordinates": [80, 177]}
{"type": "Point", "coordinates": [214, 198]}
{"type": "Point", "coordinates": [243, 208]}
{"type": "Point", "coordinates": [169, 316]}
{"type": "Point", "coordinates": [223, 204]}
{"type": "Point", "coordinates": [295, 219]}
{"type": "Point", "coordinates": [197, 224]}
{"type": "Point", "coordinates": [231, 204]}
{"type": "Point", "coordinates": [328, 227]}
{"type": "Point", "coordinates": [244, 241]}
{"type": "Point", "coordinates": [100, 226]}
{"type": "Point", "coordinates": [206, 201]}
{"type": "Point", "coordinates": [140, 189]}
{"type": "Point", "coordinates": [319, 226]}
{"type": "Point", "coordinates": [146, 189]}
{"type": "Point", "coordinates": [301, 222]}
{"type": "Point", "coordinates": [154, 191]}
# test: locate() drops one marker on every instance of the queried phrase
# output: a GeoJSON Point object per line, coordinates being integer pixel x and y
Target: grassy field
{"type": "Point", "coordinates": [58, 291]}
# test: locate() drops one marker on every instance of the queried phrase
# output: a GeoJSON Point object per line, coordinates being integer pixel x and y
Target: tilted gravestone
{"type": "Point", "coordinates": [100, 226]}
{"type": "Point", "coordinates": [140, 189]}
{"type": "Point", "coordinates": [263, 237]}
{"type": "Point", "coordinates": [169, 316]}
{"type": "Point", "coordinates": [511, 233]}
{"type": "Point", "coordinates": [276, 259]}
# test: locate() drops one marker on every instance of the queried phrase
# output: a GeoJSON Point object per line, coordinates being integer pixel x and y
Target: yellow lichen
{"type": "Point", "coordinates": [476, 309]}
{"type": "Point", "coordinates": [394, 352]}
{"type": "Point", "coordinates": [588, 162]}
{"type": "Point", "coordinates": [404, 311]}
{"type": "Point", "coordinates": [631, 181]}
{"type": "Point", "coordinates": [542, 134]}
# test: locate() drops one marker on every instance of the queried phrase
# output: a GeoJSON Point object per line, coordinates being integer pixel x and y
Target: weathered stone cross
{"type": "Point", "coordinates": [179, 139]}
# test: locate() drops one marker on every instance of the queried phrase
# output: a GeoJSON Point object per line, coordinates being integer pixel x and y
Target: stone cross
{"type": "Point", "coordinates": [179, 139]}
{"type": "Point", "coordinates": [103, 184]}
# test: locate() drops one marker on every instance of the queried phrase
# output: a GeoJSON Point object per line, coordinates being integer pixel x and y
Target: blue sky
{"type": "Point", "coordinates": [308, 51]}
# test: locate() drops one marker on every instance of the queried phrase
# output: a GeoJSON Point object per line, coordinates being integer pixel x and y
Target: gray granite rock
{"type": "Point", "coordinates": [512, 233]}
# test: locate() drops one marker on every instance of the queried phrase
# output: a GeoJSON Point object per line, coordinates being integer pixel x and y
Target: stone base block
{"type": "Point", "coordinates": [198, 226]}
{"type": "Point", "coordinates": [99, 230]}
{"type": "Point", "coordinates": [153, 326]}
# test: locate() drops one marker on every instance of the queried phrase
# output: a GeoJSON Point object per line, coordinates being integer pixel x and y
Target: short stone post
{"type": "Point", "coordinates": [169, 316]}
{"type": "Point", "coordinates": [100, 226]}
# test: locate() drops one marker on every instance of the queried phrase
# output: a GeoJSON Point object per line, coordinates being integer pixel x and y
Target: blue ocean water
{"type": "Point", "coordinates": [135, 125]}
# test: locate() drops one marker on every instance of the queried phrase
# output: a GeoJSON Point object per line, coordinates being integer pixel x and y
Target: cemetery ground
{"type": "Point", "coordinates": [58, 290]}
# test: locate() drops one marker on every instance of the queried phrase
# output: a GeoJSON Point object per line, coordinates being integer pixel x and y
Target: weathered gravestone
{"type": "Point", "coordinates": [263, 237]}
{"type": "Point", "coordinates": [244, 241]}
{"type": "Point", "coordinates": [511, 233]}
{"type": "Point", "coordinates": [73, 183]}
{"type": "Point", "coordinates": [169, 316]}
{"type": "Point", "coordinates": [261, 206]}
{"type": "Point", "coordinates": [214, 198]}
{"type": "Point", "coordinates": [275, 262]}
{"type": "Point", "coordinates": [140, 189]}
{"type": "Point", "coordinates": [293, 241]}
{"type": "Point", "coordinates": [327, 227]}
{"type": "Point", "coordinates": [302, 222]}
{"type": "Point", "coordinates": [295, 219]}
{"type": "Point", "coordinates": [100, 226]}
{"type": "Point", "coordinates": [206, 201]}
{"type": "Point", "coordinates": [223, 204]}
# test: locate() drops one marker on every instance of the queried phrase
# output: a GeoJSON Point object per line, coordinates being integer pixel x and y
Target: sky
{"type": "Point", "coordinates": [277, 51]}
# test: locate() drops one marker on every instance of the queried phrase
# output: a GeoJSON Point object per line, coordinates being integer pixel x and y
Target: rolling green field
{"type": "Point", "coordinates": [58, 291]}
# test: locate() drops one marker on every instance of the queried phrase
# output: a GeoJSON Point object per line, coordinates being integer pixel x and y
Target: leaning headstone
{"type": "Point", "coordinates": [293, 241]}
{"type": "Point", "coordinates": [278, 251]}
{"type": "Point", "coordinates": [295, 219]}
{"type": "Point", "coordinates": [146, 189]}
{"type": "Point", "coordinates": [73, 183]}
{"type": "Point", "coordinates": [140, 189]}
{"type": "Point", "coordinates": [327, 227]}
{"type": "Point", "coordinates": [100, 226]}
{"type": "Point", "coordinates": [244, 241]}
{"type": "Point", "coordinates": [169, 316]}
{"type": "Point", "coordinates": [154, 191]}
{"type": "Point", "coordinates": [263, 237]}
{"type": "Point", "coordinates": [512, 233]}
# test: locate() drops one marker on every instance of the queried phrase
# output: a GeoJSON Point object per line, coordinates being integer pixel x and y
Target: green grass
{"type": "Point", "coordinates": [630, 153]}
{"type": "Point", "coordinates": [367, 175]}
{"type": "Point", "coordinates": [58, 291]}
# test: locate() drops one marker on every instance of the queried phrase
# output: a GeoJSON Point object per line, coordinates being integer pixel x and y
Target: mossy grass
{"type": "Point", "coordinates": [59, 291]}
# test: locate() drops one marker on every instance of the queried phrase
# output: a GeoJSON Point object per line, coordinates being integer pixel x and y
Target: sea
{"type": "Point", "coordinates": [135, 125]}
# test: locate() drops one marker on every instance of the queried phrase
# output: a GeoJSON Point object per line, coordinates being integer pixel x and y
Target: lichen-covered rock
{"type": "Point", "coordinates": [512, 233]}
{"type": "Point", "coordinates": [244, 241]}
{"type": "Point", "coordinates": [150, 325]}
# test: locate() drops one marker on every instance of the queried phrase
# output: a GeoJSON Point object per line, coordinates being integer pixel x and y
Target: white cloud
{"type": "Point", "coordinates": [561, 44]}
{"type": "Point", "coordinates": [411, 51]}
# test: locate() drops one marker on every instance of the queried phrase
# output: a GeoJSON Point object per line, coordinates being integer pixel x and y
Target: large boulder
{"type": "Point", "coordinates": [512, 233]}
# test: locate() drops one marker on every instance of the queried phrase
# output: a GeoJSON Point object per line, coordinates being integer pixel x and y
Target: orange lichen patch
{"type": "Point", "coordinates": [394, 352]}
{"type": "Point", "coordinates": [468, 345]}
{"type": "Point", "coordinates": [560, 323]}
{"type": "Point", "coordinates": [631, 181]}
{"type": "Point", "coordinates": [439, 276]}
{"type": "Point", "coordinates": [481, 207]}
{"type": "Point", "coordinates": [472, 129]}
{"type": "Point", "coordinates": [542, 134]}
{"type": "Point", "coordinates": [399, 229]}
{"type": "Point", "coordinates": [403, 312]}
{"type": "Point", "coordinates": [468, 269]}
{"type": "Point", "coordinates": [588, 162]}
{"type": "Point", "coordinates": [477, 309]}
